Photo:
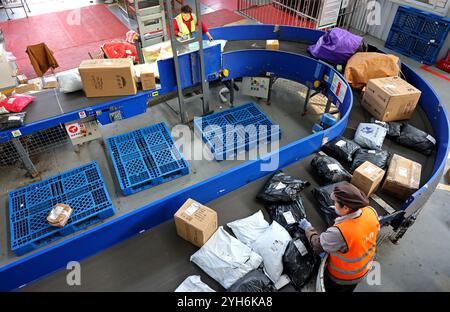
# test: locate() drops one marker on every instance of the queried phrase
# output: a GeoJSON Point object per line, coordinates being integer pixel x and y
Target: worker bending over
{"type": "Point", "coordinates": [351, 242]}
{"type": "Point", "coordinates": [186, 23]}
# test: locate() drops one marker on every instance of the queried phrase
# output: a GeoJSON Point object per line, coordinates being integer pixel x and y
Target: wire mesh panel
{"type": "Point", "coordinates": [34, 144]}
{"type": "Point", "coordinates": [299, 13]}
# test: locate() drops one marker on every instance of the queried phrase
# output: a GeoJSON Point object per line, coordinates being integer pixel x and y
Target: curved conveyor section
{"type": "Point", "coordinates": [240, 63]}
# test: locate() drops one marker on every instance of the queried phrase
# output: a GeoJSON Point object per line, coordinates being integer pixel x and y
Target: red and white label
{"type": "Point", "coordinates": [74, 130]}
{"type": "Point", "coordinates": [82, 114]}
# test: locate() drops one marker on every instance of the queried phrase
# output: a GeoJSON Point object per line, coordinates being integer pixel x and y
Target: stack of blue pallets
{"type": "Point", "coordinates": [228, 132]}
{"type": "Point", "coordinates": [417, 34]}
{"type": "Point", "coordinates": [145, 158]}
{"type": "Point", "coordinates": [82, 189]}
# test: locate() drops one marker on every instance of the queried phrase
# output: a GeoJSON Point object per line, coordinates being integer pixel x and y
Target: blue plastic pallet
{"type": "Point", "coordinates": [82, 189]}
{"type": "Point", "coordinates": [224, 143]}
{"type": "Point", "coordinates": [145, 158]}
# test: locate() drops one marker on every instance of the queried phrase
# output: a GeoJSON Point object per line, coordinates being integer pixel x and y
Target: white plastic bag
{"type": "Point", "coordinates": [249, 229]}
{"type": "Point", "coordinates": [69, 81]}
{"type": "Point", "coordinates": [226, 259]}
{"type": "Point", "coordinates": [370, 135]}
{"type": "Point", "coordinates": [193, 284]}
{"type": "Point", "coordinates": [271, 247]}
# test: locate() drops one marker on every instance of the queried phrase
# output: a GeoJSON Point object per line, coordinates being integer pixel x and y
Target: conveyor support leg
{"type": "Point", "coordinates": [25, 158]}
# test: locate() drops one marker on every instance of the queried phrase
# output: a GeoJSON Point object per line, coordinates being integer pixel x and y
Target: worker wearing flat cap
{"type": "Point", "coordinates": [350, 243]}
{"type": "Point", "coordinates": [185, 24]}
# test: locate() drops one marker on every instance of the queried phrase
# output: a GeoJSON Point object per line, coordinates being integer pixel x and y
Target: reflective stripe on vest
{"type": "Point", "coordinates": [184, 30]}
{"type": "Point", "coordinates": [360, 234]}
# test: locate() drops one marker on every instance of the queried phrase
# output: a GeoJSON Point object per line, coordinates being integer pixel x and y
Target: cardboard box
{"type": "Point", "coordinates": [403, 177]}
{"type": "Point", "coordinates": [390, 99]}
{"type": "Point", "coordinates": [107, 77]}
{"type": "Point", "coordinates": [195, 223]}
{"type": "Point", "coordinates": [22, 79]}
{"type": "Point", "coordinates": [148, 81]}
{"type": "Point", "coordinates": [272, 45]}
{"type": "Point", "coordinates": [24, 88]}
{"type": "Point", "coordinates": [50, 82]}
{"type": "Point", "coordinates": [368, 177]}
{"type": "Point", "coordinates": [59, 215]}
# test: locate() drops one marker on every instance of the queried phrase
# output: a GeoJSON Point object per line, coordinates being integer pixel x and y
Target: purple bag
{"type": "Point", "coordinates": [336, 46]}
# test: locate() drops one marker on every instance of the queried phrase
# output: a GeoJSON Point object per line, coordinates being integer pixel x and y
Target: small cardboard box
{"type": "Point", "coordinates": [22, 79]}
{"type": "Point", "coordinates": [108, 77]}
{"type": "Point", "coordinates": [272, 45]}
{"type": "Point", "coordinates": [390, 99]}
{"type": "Point", "coordinates": [50, 82]}
{"type": "Point", "coordinates": [24, 88]}
{"type": "Point", "coordinates": [195, 223]}
{"type": "Point", "coordinates": [148, 81]}
{"type": "Point", "coordinates": [59, 215]}
{"type": "Point", "coordinates": [368, 177]}
{"type": "Point", "coordinates": [403, 177]}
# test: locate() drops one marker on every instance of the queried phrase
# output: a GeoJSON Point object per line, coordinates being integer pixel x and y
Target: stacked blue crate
{"type": "Point", "coordinates": [417, 34]}
{"type": "Point", "coordinates": [82, 189]}
{"type": "Point", "coordinates": [145, 158]}
{"type": "Point", "coordinates": [234, 130]}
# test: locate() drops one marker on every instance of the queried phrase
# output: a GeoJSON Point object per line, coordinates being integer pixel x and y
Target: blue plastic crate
{"type": "Point", "coordinates": [82, 189]}
{"type": "Point", "coordinates": [237, 129]}
{"type": "Point", "coordinates": [145, 158]}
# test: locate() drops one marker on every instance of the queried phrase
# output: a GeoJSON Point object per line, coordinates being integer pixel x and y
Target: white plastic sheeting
{"type": "Point", "coordinates": [226, 259]}
{"type": "Point", "coordinates": [193, 284]}
{"type": "Point", "coordinates": [249, 229]}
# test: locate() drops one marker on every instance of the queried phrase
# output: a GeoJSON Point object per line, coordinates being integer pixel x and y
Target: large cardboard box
{"type": "Point", "coordinates": [403, 177]}
{"type": "Point", "coordinates": [390, 99]}
{"type": "Point", "coordinates": [195, 223]}
{"type": "Point", "coordinates": [368, 177]}
{"type": "Point", "coordinates": [107, 77]}
{"type": "Point", "coordinates": [272, 45]}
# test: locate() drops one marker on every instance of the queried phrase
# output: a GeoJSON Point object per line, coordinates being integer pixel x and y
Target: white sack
{"type": "Point", "coordinates": [249, 229]}
{"type": "Point", "coordinates": [193, 284]}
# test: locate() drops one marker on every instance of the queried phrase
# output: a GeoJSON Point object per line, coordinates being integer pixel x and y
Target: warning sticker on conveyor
{"type": "Point", "coordinates": [338, 87]}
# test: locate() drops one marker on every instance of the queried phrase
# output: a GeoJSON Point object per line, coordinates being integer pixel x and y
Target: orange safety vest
{"type": "Point", "coordinates": [360, 235]}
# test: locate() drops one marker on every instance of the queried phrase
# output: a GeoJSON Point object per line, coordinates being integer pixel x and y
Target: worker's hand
{"type": "Point", "coordinates": [304, 224]}
{"type": "Point", "coordinates": [210, 37]}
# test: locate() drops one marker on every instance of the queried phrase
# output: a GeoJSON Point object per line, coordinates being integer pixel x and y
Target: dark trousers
{"type": "Point", "coordinates": [333, 287]}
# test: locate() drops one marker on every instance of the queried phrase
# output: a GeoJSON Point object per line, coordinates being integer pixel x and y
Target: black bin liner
{"type": "Point", "coordinates": [394, 127]}
{"type": "Point", "coordinates": [288, 214]}
{"type": "Point", "coordinates": [300, 262]}
{"type": "Point", "coordinates": [379, 158]}
{"type": "Point", "coordinates": [255, 281]}
{"type": "Point", "coordinates": [342, 149]}
{"type": "Point", "coordinates": [330, 170]}
{"type": "Point", "coordinates": [281, 188]}
{"type": "Point", "coordinates": [417, 140]}
{"type": "Point", "coordinates": [326, 204]}
{"type": "Point", "coordinates": [9, 121]}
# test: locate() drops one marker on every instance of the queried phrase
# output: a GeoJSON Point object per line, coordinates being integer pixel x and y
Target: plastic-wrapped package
{"type": "Point", "coordinates": [271, 247]}
{"type": "Point", "coordinates": [193, 284]}
{"type": "Point", "coordinates": [69, 81]}
{"type": "Point", "coordinates": [249, 229]}
{"type": "Point", "coordinates": [394, 128]}
{"type": "Point", "coordinates": [379, 158]}
{"type": "Point", "coordinates": [281, 188]}
{"type": "Point", "coordinates": [255, 281]}
{"type": "Point", "coordinates": [9, 121]}
{"type": "Point", "coordinates": [299, 261]}
{"type": "Point", "coordinates": [326, 204]}
{"type": "Point", "coordinates": [288, 214]}
{"type": "Point", "coordinates": [417, 140]}
{"type": "Point", "coordinates": [370, 135]}
{"type": "Point", "coordinates": [226, 259]}
{"type": "Point", "coordinates": [330, 170]}
{"type": "Point", "coordinates": [342, 149]}
{"type": "Point", "coordinates": [16, 103]}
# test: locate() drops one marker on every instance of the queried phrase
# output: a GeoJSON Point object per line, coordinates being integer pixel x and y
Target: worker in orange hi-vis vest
{"type": "Point", "coordinates": [350, 243]}
{"type": "Point", "coordinates": [185, 24]}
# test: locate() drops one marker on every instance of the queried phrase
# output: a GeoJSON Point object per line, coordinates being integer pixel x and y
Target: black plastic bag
{"type": "Point", "coordinates": [288, 214]}
{"type": "Point", "coordinates": [417, 140]}
{"type": "Point", "coordinates": [342, 149]}
{"type": "Point", "coordinates": [255, 281]}
{"type": "Point", "coordinates": [281, 188]}
{"type": "Point", "coordinates": [330, 170]}
{"type": "Point", "coordinates": [378, 158]}
{"type": "Point", "coordinates": [9, 121]}
{"type": "Point", "coordinates": [326, 204]}
{"type": "Point", "coordinates": [394, 127]}
{"type": "Point", "coordinates": [299, 261]}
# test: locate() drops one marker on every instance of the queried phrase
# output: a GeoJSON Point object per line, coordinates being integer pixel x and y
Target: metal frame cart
{"type": "Point", "coordinates": [15, 4]}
